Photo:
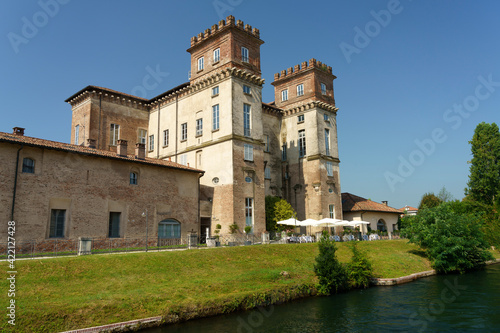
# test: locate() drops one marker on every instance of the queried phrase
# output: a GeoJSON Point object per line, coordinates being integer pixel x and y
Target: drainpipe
{"type": "Point", "coordinates": [15, 184]}
{"type": "Point", "coordinates": [176, 124]}
{"type": "Point", "coordinates": [100, 120]}
{"type": "Point", "coordinates": [158, 136]}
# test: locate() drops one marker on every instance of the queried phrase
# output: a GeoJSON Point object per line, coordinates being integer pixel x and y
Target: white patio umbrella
{"type": "Point", "coordinates": [290, 221]}
{"type": "Point", "coordinates": [327, 222]}
{"type": "Point", "coordinates": [355, 223]}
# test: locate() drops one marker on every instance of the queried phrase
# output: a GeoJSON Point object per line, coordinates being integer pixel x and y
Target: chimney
{"type": "Point", "coordinates": [91, 143]}
{"type": "Point", "coordinates": [140, 151]}
{"type": "Point", "coordinates": [18, 131]}
{"type": "Point", "coordinates": [122, 148]}
{"type": "Point", "coordinates": [385, 203]}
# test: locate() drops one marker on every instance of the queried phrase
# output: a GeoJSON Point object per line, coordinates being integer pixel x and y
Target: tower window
{"type": "Point", "coordinates": [284, 95]}
{"type": "Point", "coordinates": [246, 119]}
{"type": "Point", "coordinates": [199, 127]}
{"type": "Point", "coordinates": [114, 134]}
{"type": "Point", "coordinates": [244, 54]}
{"type": "Point", "coordinates": [246, 89]}
{"type": "Point", "coordinates": [323, 89]}
{"type": "Point", "coordinates": [248, 152]}
{"type": "Point", "coordinates": [215, 117]}
{"type": "Point", "coordinates": [300, 90]}
{"type": "Point", "coordinates": [133, 178]}
{"type": "Point", "coordinates": [77, 134]}
{"type": "Point", "coordinates": [184, 132]}
{"type": "Point", "coordinates": [302, 143]}
{"type": "Point", "coordinates": [300, 118]}
{"type": "Point", "coordinates": [151, 142]}
{"type": "Point", "coordinates": [216, 55]}
{"type": "Point", "coordinates": [201, 63]}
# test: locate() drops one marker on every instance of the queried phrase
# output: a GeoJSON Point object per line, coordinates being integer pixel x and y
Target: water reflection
{"type": "Point", "coordinates": [452, 303]}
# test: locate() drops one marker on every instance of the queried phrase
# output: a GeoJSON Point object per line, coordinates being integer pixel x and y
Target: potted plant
{"type": "Point", "coordinates": [233, 228]}
{"type": "Point", "coordinates": [217, 232]}
{"type": "Point", "coordinates": [248, 229]}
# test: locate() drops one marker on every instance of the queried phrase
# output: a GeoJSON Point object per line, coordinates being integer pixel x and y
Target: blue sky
{"type": "Point", "coordinates": [414, 77]}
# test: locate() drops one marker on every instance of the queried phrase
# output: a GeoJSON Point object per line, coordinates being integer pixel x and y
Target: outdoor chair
{"type": "Point", "coordinates": [365, 237]}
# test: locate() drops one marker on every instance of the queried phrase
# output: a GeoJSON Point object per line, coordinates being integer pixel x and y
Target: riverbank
{"type": "Point", "coordinates": [69, 293]}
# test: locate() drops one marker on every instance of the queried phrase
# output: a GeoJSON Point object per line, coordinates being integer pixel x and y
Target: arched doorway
{"type": "Point", "coordinates": [381, 226]}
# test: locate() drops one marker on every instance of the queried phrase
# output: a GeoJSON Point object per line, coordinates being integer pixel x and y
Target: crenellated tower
{"type": "Point", "coordinates": [229, 44]}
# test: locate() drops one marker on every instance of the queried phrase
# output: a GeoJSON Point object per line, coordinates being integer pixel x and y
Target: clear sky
{"type": "Point", "coordinates": [414, 77]}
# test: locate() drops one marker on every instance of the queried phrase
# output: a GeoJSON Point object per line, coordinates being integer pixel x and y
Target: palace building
{"type": "Point", "coordinates": [218, 123]}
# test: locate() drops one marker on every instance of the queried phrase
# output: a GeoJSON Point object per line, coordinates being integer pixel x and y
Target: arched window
{"type": "Point", "coordinates": [381, 226]}
{"type": "Point", "coordinates": [133, 178]}
{"type": "Point", "coordinates": [28, 165]}
{"type": "Point", "coordinates": [169, 228]}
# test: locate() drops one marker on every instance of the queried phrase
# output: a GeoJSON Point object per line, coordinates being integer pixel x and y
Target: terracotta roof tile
{"type": "Point", "coordinates": [354, 203]}
{"type": "Point", "coordinates": [35, 142]}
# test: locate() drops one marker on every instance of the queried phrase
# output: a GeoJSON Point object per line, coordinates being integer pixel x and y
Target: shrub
{"type": "Point", "coordinates": [233, 228]}
{"type": "Point", "coordinates": [453, 240]}
{"type": "Point", "coordinates": [330, 271]}
{"type": "Point", "coordinates": [359, 269]}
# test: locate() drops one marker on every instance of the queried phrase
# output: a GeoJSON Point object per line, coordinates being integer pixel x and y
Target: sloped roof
{"type": "Point", "coordinates": [61, 146]}
{"type": "Point", "coordinates": [354, 203]}
{"type": "Point", "coordinates": [408, 208]}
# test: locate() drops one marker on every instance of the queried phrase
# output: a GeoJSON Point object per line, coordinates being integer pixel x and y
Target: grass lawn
{"type": "Point", "coordinates": [76, 292]}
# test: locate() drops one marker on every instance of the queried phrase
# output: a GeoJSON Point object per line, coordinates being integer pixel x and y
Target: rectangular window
{"type": "Point", "coordinates": [300, 90]}
{"type": "Point", "coordinates": [302, 143]}
{"type": "Point", "coordinates": [331, 210]}
{"type": "Point", "coordinates": [142, 136]}
{"type": "Point", "coordinates": [323, 89]}
{"type": "Point", "coordinates": [114, 225]}
{"type": "Point", "coordinates": [266, 148]}
{"type": "Point", "coordinates": [329, 169]}
{"type": "Point", "coordinates": [114, 134]}
{"type": "Point", "coordinates": [248, 152]}
{"type": "Point", "coordinates": [300, 118]}
{"type": "Point", "coordinates": [249, 212]}
{"type": "Point", "coordinates": [201, 64]}
{"type": "Point", "coordinates": [216, 55]}
{"type": "Point", "coordinates": [199, 127]}
{"type": "Point", "coordinates": [247, 89]}
{"type": "Point", "coordinates": [283, 152]}
{"type": "Point", "coordinates": [246, 119]}
{"type": "Point", "coordinates": [267, 173]}
{"type": "Point", "coordinates": [198, 159]}
{"type": "Point", "coordinates": [326, 117]}
{"type": "Point", "coordinates": [28, 165]}
{"type": "Point", "coordinates": [215, 117]}
{"type": "Point", "coordinates": [183, 159]}
{"type": "Point", "coordinates": [133, 178]}
{"type": "Point", "coordinates": [165, 138]}
{"type": "Point", "coordinates": [77, 134]}
{"type": "Point", "coordinates": [151, 142]}
{"type": "Point", "coordinates": [327, 141]}
{"type": "Point", "coordinates": [184, 132]}
{"type": "Point", "coordinates": [57, 219]}
{"type": "Point", "coordinates": [284, 95]}
{"type": "Point", "coordinates": [169, 229]}
{"type": "Point", "coordinates": [215, 91]}
{"type": "Point", "coordinates": [244, 54]}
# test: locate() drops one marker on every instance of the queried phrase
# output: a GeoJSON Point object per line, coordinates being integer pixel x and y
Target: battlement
{"type": "Point", "coordinates": [223, 25]}
{"type": "Point", "coordinates": [313, 63]}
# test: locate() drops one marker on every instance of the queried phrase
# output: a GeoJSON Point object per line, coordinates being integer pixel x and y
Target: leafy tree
{"type": "Point", "coordinates": [444, 195]}
{"type": "Point", "coordinates": [283, 211]}
{"type": "Point", "coordinates": [359, 269]}
{"type": "Point", "coordinates": [332, 274]}
{"type": "Point", "coordinates": [429, 200]}
{"type": "Point", "coordinates": [452, 238]}
{"type": "Point", "coordinates": [270, 203]}
{"type": "Point", "coordinates": [484, 178]}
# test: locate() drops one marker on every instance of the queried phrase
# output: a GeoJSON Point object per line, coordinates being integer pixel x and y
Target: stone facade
{"type": "Point", "coordinates": [217, 122]}
{"type": "Point", "coordinates": [88, 185]}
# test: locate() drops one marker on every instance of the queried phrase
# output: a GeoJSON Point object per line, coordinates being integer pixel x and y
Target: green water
{"type": "Point", "coordinates": [451, 303]}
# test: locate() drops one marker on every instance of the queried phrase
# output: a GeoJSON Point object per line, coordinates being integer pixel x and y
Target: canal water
{"type": "Point", "coordinates": [445, 303]}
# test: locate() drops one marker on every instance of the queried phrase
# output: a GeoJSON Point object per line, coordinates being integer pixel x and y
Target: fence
{"type": "Point", "coordinates": [63, 247]}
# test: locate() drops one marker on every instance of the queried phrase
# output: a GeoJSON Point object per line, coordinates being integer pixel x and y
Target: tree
{"type": "Point", "coordinates": [444, 195]}
{"type": "Point", "coordinates": [270, 203]}
{"type": "Point", "coordinates": [331, 273]}
{"type": "Point", "coordinates": [359, 269]}
{"type": "Point", "coordinates": [484, 178]}
{"type": "Point", "coordinates": [429, 200]}
{"type": "Point", "coordinates": [453, 239]}
{"type": "Point", "coordinates": [283, 211]}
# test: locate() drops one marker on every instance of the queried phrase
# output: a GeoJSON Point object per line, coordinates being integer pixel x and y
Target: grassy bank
{"type": "Point", "coordinates": [68, 293]}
